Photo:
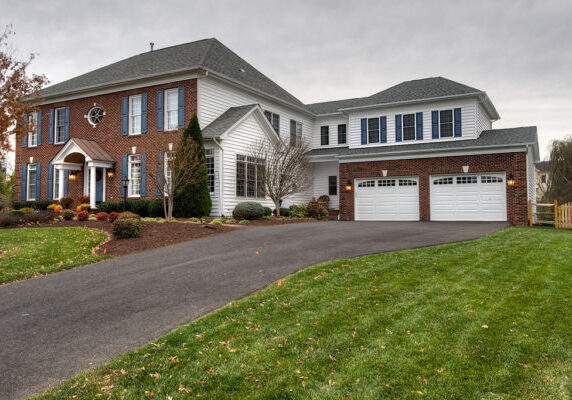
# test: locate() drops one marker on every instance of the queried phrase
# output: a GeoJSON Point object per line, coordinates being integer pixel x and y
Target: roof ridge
{"type": "Point", "coordinates": [211, 45]}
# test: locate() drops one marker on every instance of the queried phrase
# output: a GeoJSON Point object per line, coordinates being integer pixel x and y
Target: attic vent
{"type": "Point", "coordinates": [241, 70]}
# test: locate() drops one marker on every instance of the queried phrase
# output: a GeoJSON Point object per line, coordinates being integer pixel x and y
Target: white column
{"type": "Point", "coordinates": [61, 183]}
{"type": "Point", "coordinates": [92, 187]}
{"type": "Point", "coordinates": [104, 177]}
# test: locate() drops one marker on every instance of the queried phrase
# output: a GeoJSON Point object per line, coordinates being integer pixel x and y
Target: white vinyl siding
{"type": "Point", "coordinates": [332, 123]}
{"type": "Point", "coordinates": [321, 173]}
{"type": "Point", "coordinates": [468, 121]}
{"type": "Point", "coordinates": [483, 121]}
{"type": "Point", "coordinates": [59, 125]}
{"type": "Point", "coordinates": [135, 114]}
{"type": "Point", "coordinates": [171, 109]}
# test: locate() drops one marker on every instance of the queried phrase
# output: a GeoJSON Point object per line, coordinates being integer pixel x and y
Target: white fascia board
{"type": "Point", "coordinates": [122, 85]}
{"type": "Point", "coordinates": [469, 151]}
{"type": "Point", "coordinates": [324, 158]}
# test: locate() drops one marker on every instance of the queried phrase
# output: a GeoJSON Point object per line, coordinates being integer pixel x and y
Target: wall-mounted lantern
{"type": "Point", "coordinates": [510, 180]}
{"type": "Point", "coordinates": [73, 176]}
{"type": "Point", "coordinates": [111, 173]}
{"type": "Point", "coordinates": [349, 186]}
{"type": "Point", "coordinates": [384, 172]}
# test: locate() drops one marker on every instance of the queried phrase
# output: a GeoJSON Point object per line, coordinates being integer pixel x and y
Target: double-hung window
{"type": "Point", "coordinates": [56, 192]}
{"type": "Point", "coordinates": [134, 171]}
{"type": "Point", "coordinates": [250, 177]}
{"type": "Point", "coordinates": [409, 127]}
{"type": "Point", "coordinates": [171, 109]}
{"type": "Point", "coordinates": [135, 114]}
{"type": "Point", "coordinates": [373, 130]}
{"type": "Point", "coordinates": [324, 135]}
{"type": "Point", "coordinates": [446, 123]}
{"type": "Point", "coordinates": [274, 120]}
{"type": "Point", "coordinates": [60, 125]}
{"type": "Point", "coordinates": [342, 129]}
{"type": "Point", "coordinates": [295, 132]}
{"type": "Point", "coordinates": [32, 176]}
{"type": "Point", "coordinates": [168, 158]}
{"type": "Point", "coordinates": [33, 124]}
{"type": "Point", "coordinates": [332, 185]}
{"type": "Point", "coordinates": [209, 153]}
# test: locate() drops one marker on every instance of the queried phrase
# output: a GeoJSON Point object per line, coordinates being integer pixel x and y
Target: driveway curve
{"type": "Point", "coordinates": [55, 326]}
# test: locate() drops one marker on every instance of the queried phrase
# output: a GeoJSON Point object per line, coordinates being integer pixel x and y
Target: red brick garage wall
{"type": "Point", "coordinates": [511, 163]}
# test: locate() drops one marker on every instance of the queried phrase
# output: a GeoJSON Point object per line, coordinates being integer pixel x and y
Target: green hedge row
{"type": "Point", "coordinates": [144, 208]}
{"type": "Point", "coordinates": [36, 205]}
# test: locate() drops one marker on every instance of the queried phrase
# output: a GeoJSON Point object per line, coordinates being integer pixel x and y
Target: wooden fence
{"type": "Point", "coordinates": [550, 214]}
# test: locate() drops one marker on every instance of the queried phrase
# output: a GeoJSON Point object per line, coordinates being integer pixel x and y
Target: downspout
{"type": "Point", "coordinates": [220, 179]}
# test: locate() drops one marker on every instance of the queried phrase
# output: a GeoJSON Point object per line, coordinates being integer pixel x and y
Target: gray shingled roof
{"type": "Point", "coordinates": [226, 120]}
{"type": "Point", "coordinates": [543, 166]}
{"type": "Point", "coordinates": [209, 54]}
{"type": "Point", "coordinates": [494, 137]}
{"type": "Point", "coordinates": [418, 89]}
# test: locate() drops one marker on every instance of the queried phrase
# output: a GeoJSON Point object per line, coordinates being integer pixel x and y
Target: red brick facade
{"type": "Point", "coordinates": [511, 163]}
{"type": "Point", "coordinates": [108, 135]}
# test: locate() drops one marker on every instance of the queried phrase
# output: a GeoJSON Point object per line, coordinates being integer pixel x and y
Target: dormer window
{"type": "Point", "coordinates": [446, 123]}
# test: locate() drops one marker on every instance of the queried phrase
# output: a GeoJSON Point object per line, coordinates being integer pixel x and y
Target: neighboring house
{"type": "Point", "coordinates": [421, 150]}
{"type": "Point", "coordinates": [542, 174]}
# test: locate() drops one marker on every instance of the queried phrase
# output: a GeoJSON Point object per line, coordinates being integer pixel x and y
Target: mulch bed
{"type": "Point", "coordinates": [275, 221]}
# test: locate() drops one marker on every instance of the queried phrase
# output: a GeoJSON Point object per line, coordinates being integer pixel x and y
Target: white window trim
{"type": "Point", "coordinates": [28, 198]}
{"type": "Point", "coordinates": [452, 123]}
{"type": "Point", "coordinates": [209, 154]}
{"type": "Point", "coordinates": [378, 131]}
{"type": "Point", "coordinates": [328, 136]}
{"type": "Point", "coordinates": [129, 158]}
{"type": "Point", "coordinates": [33, 117]}
{"type": "Point", "coordinates": [130, 115]}
{"type": "Point", "coordinates": [56, 183]}
{"type": "Point", "coordinates": [56, 112]}
{"type": "Point", "coordinates": [166, 111]}
{"type": "Point", "coordinates": [414, 127]}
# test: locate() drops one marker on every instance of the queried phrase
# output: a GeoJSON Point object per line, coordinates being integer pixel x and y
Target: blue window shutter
{"type": "Point", "coordinates": [50, 182]}
{"type": "Point", "coordinates": [66, 181]}
{"type": "Point", "coordinates": [363, 131]}
{"type": "Point", "coordinates": [383, 129]}
{"type": "Point", "coordinates": [435, 124]}
{"type": "Point", "coordinates": [39, 129]}
{"type": "Point", "coordinates": [123, 173]}
{"type": "Point", "coordinates": [25, 138]}
{"type": "Point", "coordinates": [144, 113]}
{"type": "Point", "coordinates": [160, 110]}
{"type": "Point", "coordinates": [419, 125]}
{"type": "Point", "coordinates": [51, 128]}
{"type": "Point", "coordinates": [124, 111]}
{"type": "Point", "coordinates": [143, 188]}
{"type": "Point", "coordinates": [398, 130]}
{"type": "Point", "coordinates": [457, 113]}
{"type": "Point", "coordinates": [38, 180]}
{"type": "Point", "coordinates": [159, 174]}
{"type": "Point", "coordinates": [67, 125]}
{"type": "Point", "coordinates": [181, 107]}
{"type": "Point", "coordinates": [24, 179]}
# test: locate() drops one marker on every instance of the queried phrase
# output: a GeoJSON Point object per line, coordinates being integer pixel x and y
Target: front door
{"type": "Point", "coordinates": [99, 185]}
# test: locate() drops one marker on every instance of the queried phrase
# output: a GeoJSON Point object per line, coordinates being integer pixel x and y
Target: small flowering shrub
{"type": "Point", "coordinates": [27, 209]}
{"type": "Point", "coordinates": [299, 211]}
{"type": "Point", "coordinates": [83, 199]}
{"type": "Point", "coordinates": [126, 228]}
{"type": "Point", "coordinates": [244, 222]}
{"type": "Point", "coordinates": [66, 202]}
{"type": "Point", "coordinates": [112, 216]}
{"type": "Point", "coordinates": [83, 207]}
{"type": "Point", "coordinates": [57, 209]}
{"type": "Point", "coordinates": [82, 216]}
{"type": "Point", "coordinates": [129, 215]}
{"type": "Point", "coordinates": [68, 215]}
{"type": "Point", "coordinates": [317, 210]}
{"type": "Point", "coordinates": [51, 207]}
{"type": "Point", "coordinates": [217, 221]}
{"type": "Point", "coordinates": [101, 216]}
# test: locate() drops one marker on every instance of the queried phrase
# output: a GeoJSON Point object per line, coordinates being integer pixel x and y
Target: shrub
{"type": "Point", "coordinates": [317, 210]}
{"type": "Point", "coordinates": [156, 208]}
{"type": "Point", "coordinates": [82, 215]}
{"type": "Point", "coordinates": [126, 228]}
{"type": "Point", "coordinates": [26, 209]}
{"type": "Point", "coordinates": [101, 216]}
{"type": "Point", "coordinates": [17, 213]}
{"type": "Point", "coordinates": [57, 209]}
{"type": "Point", "coordinates": [83, 199]}
{"type": "Point", "coordinates": [16, 218]}
{"type": "Point", "coordinates": [91, 217]}
{"type": "Point", "coordinates": [324, 200]}
{"type": "Point", "coordinates": [66, 202]}
{"type": "Point", "coordinates": [68, 215]}
{"type": "Point", "coordinates": [129, 215]}
{"type": "Point", "coordinates": [110, 206]}
{"type": "Point", "coordinates": [139, 207]}
{"type": "Point", "coordinates": [284, 212]}
{"type": "Point", "coordinates": [112, 216]}
{"type": "Point", "coordinates": [229, 221]}
{"type": "Point", "coordinates": [248, 210]}
{"type": "Point", "coordinates": [244, 222]}
{"type": "Point", "coordinates": [299, 211]}
{"type": "Point", "coordinates": [52, 207]}
{"type": "Point", "coordinates": [36, 205]}
{"type": "Point", "coordinates": [217, 221]}
{"type": "Point", "coordinates": [83, 207]}
{"type": "Point", "coordinates": [267, 211]}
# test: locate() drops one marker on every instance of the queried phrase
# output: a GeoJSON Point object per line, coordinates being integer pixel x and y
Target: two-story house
{"type": "Point", "coordinates": [421, 150]}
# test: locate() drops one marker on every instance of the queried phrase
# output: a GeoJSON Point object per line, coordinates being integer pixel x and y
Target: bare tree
{"type": "Point", "coordinates": [561, 170]}
{"type": "Point", "coordinates": [175, 169]}
{"type": "Point", "coordinates": [286, 168]}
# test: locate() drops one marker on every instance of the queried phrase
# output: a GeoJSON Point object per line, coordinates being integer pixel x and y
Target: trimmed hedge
{"type": "Point", "coordinates": [36, 205]}
{"type": "Point", "coordinates": [248, 210]}
{"type": "Point", "coordinates": [17, 218]}
{"type": "Point", "coordinates": [144, 208]}
{"type": "Point", "coordinates": [284, 212]}
{"type": "Point", "coordinates": [126, 228]}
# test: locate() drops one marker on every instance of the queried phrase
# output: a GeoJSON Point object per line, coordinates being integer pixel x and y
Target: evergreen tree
{"type": "Point", "coordinates": [194, 200]}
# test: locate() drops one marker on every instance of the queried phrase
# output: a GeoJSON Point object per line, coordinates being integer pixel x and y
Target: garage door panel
{"type": "Point", "coordinates": [474, 197]}
{"type": "Point", "coordinates": [387, 200]}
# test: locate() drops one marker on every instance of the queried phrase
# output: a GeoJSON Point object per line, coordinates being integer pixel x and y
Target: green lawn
{"type": "Point", "coordinates": [486, 319]}
{"type": "Point", "coordinates": [28, 252]}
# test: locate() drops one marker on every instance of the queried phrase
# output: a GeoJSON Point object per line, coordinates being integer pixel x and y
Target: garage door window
{"type": "Point", "coordinates": [367, 184]}
{"type": "Point", "coordinates": [407, 182]}
{"type": "Point", "coordinates": [386, 182]}
{"type": "Point", "coordinates": [443, 181]}
{"type": "Point", "coordinates": [491, 179]}
{"type": "Point", "coordinates": [463, 180]}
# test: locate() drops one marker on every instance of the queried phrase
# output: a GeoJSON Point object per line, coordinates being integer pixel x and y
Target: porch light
{"type": "Point", "coordinates": [349, 186]}
{"type": "Point", "coordinates": [465, 168]}
{"type": "Point", "coordinates": [111, 173]}
{"type": "Point", "coordinates": [384, 172]}
{"type": "Point", "coordinates": [73, 176]}
{"type": "Point", "coordinates": [511, 181]}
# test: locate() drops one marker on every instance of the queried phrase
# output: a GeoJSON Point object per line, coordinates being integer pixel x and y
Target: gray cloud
{"type": "Point", "coordinates": [517, 51]}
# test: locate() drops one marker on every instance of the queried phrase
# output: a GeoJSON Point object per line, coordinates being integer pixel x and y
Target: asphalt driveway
{"type": "Point", "coordinates": [54, 326]}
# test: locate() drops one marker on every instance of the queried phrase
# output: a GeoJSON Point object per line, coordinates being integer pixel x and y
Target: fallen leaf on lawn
{"type": "Point", "coordinates": [331, 382]}
{"type": "Point", "coordinates": [485, 327]}
{"type": "Point", "coordinates": [304, 384]}
{"type": "Point", "coordinates": [183, 389]}
{"type": "Point", "coordinates": [333, 358]}
{"type": "Point", "coordinates": [417, 392]}
{"type": "Point", "coordinates": [156, 375]}
{"type": "Point", "coordinates": [104, 388]}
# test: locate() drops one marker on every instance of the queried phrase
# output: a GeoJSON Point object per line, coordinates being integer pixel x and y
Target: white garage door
{"type": "Point", "coordinates": [479, 197]}
{"type": "Point", "coordinates": [387, 199]}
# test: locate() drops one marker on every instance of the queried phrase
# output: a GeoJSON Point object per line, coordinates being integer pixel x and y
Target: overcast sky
{"type": "Point", "coordinates": [519, 52]}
